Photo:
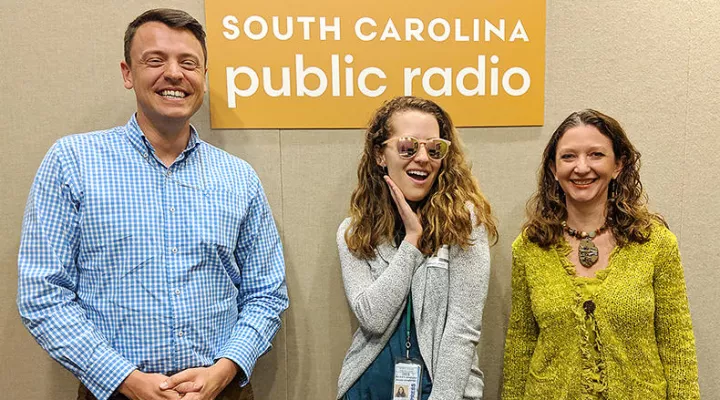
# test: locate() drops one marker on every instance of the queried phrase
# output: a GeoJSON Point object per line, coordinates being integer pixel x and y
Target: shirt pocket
{"type": "Point", "coordinates": [223, 216]}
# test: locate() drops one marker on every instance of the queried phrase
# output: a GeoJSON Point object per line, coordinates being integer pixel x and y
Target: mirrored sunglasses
{"type": "Point", "coordinates": [408, 146]}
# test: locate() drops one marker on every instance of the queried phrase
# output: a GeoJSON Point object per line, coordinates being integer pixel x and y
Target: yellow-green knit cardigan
{"type": "Point", "coordinates": [643, 322]}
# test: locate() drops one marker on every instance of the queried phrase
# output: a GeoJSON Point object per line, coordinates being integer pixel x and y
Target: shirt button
{"type": "Point", "coordinates": [169, 173]}
{"type": "Point", "coordinates": [180, 333]}
{"type": "Point", "coordinates": [177, 291]}
{"type": "Point", "coordinates": [174, 249]}
{"type": "Point", "coordinates": [172, 209]}
{"type": "Point", "coordinates": [145, 155]}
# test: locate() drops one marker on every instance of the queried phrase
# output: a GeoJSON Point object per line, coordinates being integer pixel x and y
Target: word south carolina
{"type": "Point", "coordinates": [366, 29]}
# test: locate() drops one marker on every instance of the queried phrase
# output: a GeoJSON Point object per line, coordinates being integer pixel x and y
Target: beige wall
{"type": "Point", "coordinates": [655, 66]}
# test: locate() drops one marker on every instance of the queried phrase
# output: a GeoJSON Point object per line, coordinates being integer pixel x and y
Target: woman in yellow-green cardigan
{"type": "Point", "coordinates": [599, 307]}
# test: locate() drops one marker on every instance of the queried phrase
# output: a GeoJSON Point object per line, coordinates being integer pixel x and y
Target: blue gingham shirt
{"type": "Point", "coordinates": [127, 264]}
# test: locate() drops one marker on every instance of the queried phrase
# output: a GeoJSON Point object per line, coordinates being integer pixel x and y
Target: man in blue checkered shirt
{"type": "Point", "coordinates": [150, 265]}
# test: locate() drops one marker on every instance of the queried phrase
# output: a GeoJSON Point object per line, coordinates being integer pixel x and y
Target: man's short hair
{"type": "Point", "coordinates": [176, 19]}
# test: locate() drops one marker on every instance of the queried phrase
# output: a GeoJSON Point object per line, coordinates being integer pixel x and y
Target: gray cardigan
{"type": "Point", "coordinates": [447, 305]}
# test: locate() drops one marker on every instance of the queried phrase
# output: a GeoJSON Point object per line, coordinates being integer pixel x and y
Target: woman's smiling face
{"type": "Point", "coordinates": [584, 165]}
{"type": "Point", "coordinates": [414, 176]}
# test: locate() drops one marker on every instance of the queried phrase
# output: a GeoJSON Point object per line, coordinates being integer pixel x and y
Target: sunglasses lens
{"type": "Point", "coordinates": [437, 149]}
{"type": "Point", "coordinates": [407, 147]}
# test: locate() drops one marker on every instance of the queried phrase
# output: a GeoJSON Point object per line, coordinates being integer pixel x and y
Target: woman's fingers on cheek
{"type": "Point", "coordinates": [392, 184]}
{"type": "Point", "coordinates": [393, 196]}
{"type": "Point", "coordinates": [396, 195]}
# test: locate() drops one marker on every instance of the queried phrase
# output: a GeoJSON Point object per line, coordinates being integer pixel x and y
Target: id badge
{"type": "Point", "coordinates": [440, 260]}
{"type": "Point", "coordinates": [406, 380]}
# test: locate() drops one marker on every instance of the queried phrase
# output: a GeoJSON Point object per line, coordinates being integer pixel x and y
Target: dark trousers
{"type": "Point", "coordinates": [233, 391]}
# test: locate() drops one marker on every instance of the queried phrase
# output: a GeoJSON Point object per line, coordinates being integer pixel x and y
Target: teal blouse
{"type": "Point", "coordinates": [376, 383]}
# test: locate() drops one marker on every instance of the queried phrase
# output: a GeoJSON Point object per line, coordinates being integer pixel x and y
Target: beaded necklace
{"type": "Point", "coordinates": [587, 251]}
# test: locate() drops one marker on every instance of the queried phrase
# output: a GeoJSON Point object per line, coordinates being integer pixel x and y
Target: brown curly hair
{"type": "Point", "coordinates": [444, 213]}
{"type": "Point", "coordinates": [627, 213]}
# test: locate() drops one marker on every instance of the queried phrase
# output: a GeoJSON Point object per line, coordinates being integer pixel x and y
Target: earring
{"type": "Point", "coordinates": [558, 190]}
{"type": "Point", "coordinates": [612, 201]}
{"type": "Point", "coordinates": [612, 190]}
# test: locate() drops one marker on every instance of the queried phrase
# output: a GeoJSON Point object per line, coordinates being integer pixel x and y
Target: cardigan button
{"type": "Point", "coordinates": [589, 306]}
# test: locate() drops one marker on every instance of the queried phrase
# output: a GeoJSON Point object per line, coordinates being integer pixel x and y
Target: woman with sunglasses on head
{"type": "Point", "coordinates": [599, 308]}
{"type": "Point", "coordinates": [415, 260]}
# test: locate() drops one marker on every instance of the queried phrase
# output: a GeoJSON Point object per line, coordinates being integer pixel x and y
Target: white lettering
{"type": "Point", "coordinates": [479, 74]}
{"type": "Point", "coordinates": [479, 84]}
{"type": "Point", "coordinates": [506, 81]}
{"type": "Point", "coordinates": [358, 29]}
{"type": "Point", "coordinates": [413, 29]}
{"type": "Point", "coordinates": [363, 86]}
{"type": "Point", "coordinates": [247, 27]}
{"type": "Point", "coordinates": [499, 32]}
{"type": "Point", "coordinates": [446, 30]}
{"type": "Point", "coordinates": [494, 76]}
{"type": "Point", "coordinates": [349, 77]}
{"type": "Point", "coordinates": [459, 37]}
{"type": "Point", "coordinates": [256, 27]}
{"type": "Point", "coordinates": [229, 23]}
{"type": "Point", "coordinates": [276, 28]}
{"type": "Point", "coordinates": [485, 77]}
{"type": "Point", "coordinates": [335, 74]}
{"type": "Point", "coordinates": [334, 28]}
{"type": "Point", "coordinates": [519, 33]}
{"type": "Point", "coordinates": [409, 75]}
{"type": "Point", "coordinates": [446, 74]}
{"type": "Point", "coordinates": [391, 31]}
{"type": "Point", "coordinates": [285, 82]}
{"type": "Point", "coordinates": [301, 73]}
{"type": "Point", "coordinates": [232, 89]}
{"type": "Point", "coordinates": [306, 21]}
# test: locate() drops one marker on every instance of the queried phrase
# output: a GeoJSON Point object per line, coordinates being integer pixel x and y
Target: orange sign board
{"type": "Point", "coordinates": [329, 64]}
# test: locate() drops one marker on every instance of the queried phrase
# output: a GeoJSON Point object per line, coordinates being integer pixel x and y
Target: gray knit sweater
{"type": "Point", "coordinates": [448, 302]}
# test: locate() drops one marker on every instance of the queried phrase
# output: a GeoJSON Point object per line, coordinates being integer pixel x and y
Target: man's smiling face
{"type": "Point", "coordinates": [167, 72]}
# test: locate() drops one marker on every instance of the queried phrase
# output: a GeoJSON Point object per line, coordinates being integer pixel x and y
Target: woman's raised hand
{"type": "Point", "coordinates": [413, 227]}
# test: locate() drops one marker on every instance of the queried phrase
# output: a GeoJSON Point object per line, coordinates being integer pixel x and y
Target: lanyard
{"type": "Point", "coordinates": [407, 326]}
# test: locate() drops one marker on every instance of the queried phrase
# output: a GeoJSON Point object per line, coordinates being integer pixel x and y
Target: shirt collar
{"type": "Point", "coordinates": [142, 144]}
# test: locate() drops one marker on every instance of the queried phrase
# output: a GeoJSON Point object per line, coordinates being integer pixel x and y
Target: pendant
{"type": "Point", "coordinates": [587, 253]}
